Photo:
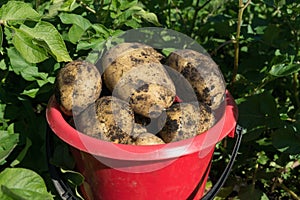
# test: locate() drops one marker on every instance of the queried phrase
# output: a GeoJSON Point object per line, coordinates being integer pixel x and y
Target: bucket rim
{"type": "Point", "coordinates": [97, 147]}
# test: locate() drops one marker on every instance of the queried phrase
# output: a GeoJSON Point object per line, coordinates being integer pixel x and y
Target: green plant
{"type": "Point", "coordinates": [35, 43]}
{"type": "Point", "coordinates": [256, 44]}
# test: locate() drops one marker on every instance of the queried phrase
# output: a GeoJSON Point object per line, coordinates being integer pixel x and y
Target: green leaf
{"type": "Point", "coordinates": [101, 30]}
{"type": "Point", "coordinates": [21, 67]}
{"type": "Point", "coordinates": [19, 183]}
{"type": "Point", "coordinates": [74, 178]}
{"type": "Point", "coordinates": [80, 25]}
{"type": "Point", "coordinates": [132, 23]}
{"type": "Point", "coordinates": [269, 2]}
{"type": "Point", "coordinates": [3, 120]}
{"type": "Point", "coordinates": [260, 29]}
{"type": "Point", "coordinates": [46, 33]}
{"type": "Point", "coordinates": [45, 36]}
{"type": "Point", "coordinates": [286, 140]}
{"type": "Point", "coordinates": [259, 111]}
{"type": "Point", "coordinates": [283, 69]}
{"type": "Point", "coordinates": [8, 141]}
{"type": "Point", "coordinates": [75, 19]}
{"type": "Point", "coordinates": [62, 157]}
{"type": "Point", "coordinates": [32, 73]}
{"type": "Point", "coordinates": [69, 5]}
{"type": "Point", "coordinates": [18, 11]}
{"type": "Point", "coordinates": [3, 65]}
{"type": "Point", "coordinates": [90, 44]}
{"type": "Point", "coordinates": [150, 17]}
{"type": "Point", "coordinates": [62, 5]}
{"type": "Point", "coordinates": [75, 33]}
{"type": "Point", "coordinates": [262, 158]}
{"type": "Point", "coordinates": [31, 92]}
{"type": "Point", "coordinates": [127, 4]}
{"type": "Point", "coordinates": [29, 51]}
{"type": "Point", "coordinates": [254, 193]}
{"type": "Point", "coordinates": [1, 36]}
{"type": "Point", "coordinates": [22, 154]}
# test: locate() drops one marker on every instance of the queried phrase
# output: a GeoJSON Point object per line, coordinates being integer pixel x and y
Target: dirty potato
{"type": "Point", "coordinates": [138, 129]}
{"type": "Point", "coordinates": [78, 84]}
{"type": "Point", "coordinates": [148, 139]}
{"type": "Point", "coordinates": [109, 119]}
{"type": "Point", "coordinates": [147, 88]}
{"type": "Point", "coordinates": [186, 120]}
{"type": "Point", "coordinates": [202, 73]}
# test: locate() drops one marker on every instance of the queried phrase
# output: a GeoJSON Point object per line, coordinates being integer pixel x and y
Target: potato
{"type": "Point", "coordinates": [141, 135]}
{"type": "Point", "coordinates": [186, 120]}
{"type": "Point", "coordinates": [147, 88]}
{"type": "Point", "coordinates": [109, 119]}
{"type": "Point", "coordinates": [148, 139]}
{"type": "Point", "coordinates": [137, 76]}
{"type": "Point", "coordinates": [202, 73]}
{"type": "Point", "coordinates": [78, 84]}
{"type": "Point", "coordinates": [123, 57]}
{"type": "Point", "coordinates": [138, 129]}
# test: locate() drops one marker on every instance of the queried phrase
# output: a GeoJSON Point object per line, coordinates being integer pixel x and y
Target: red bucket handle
{"type": "Point", "coordinates": [218, 185]}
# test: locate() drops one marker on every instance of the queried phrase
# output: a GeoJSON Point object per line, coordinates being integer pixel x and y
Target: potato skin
{"type": "Point", "coordinates": [148, 89]}
{"type": "Point", "coordinates": [123, 57]}
{"type": "Point", "coordinates": [109, 119]}
{"type": "Point", "coordinates": [202, 73]}
{"type": "Point", "coordinates": [78, 84]}
{"type": "Point", "coordinates": [148, 139]}
{"type": "Point", "coordinates": [186, 120]}
{"type": "Point", "coordinates": [138, 129]}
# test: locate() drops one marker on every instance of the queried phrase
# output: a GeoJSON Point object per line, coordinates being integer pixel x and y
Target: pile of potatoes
{"type": "Point", "coordinates": [141, 92]}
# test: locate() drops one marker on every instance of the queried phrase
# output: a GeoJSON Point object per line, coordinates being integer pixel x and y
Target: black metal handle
{"type": "Point", "coordinates": [215, 189]}
{"type": "Point", "coordinates": [63, 189]}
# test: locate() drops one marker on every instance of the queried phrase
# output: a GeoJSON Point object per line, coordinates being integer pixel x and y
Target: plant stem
{"type": "Point", "coordinates": [86, 6]}
{"type": "Point", "coordinates": [295, 75]}
{"type": "Point", "coordinates": [214, 52]}
{"type": "Point", "coordinates": [242, 7]}
{"type": "Point", "coordinates": [296, 88]}
{"type": "Point", "coordinates": [37, 4]}
{"type": "Point", "coordinates": [254, 175]}
{"type": "Point", "coordinates": [292, 193]}
{"type": "Point", "coordinates": [169, 12]}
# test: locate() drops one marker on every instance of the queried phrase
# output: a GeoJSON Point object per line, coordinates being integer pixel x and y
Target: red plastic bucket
{"type": "Point", "coordinates": [178, 170]}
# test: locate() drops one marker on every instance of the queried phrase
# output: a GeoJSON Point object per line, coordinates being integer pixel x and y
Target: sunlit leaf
{"type": "Point", "coordinates": [80, 25]}
{"type": "Point", "coordinates": [284, 69]}
{"type": "Point", "coordinates": [18, 11]}
{"type": "Point", "coordinates": [150, 17]}
{"type": "Point", "coordinates": [21, 67]}
{"type": "Point", "coordinates": [44, 33]}
{"type": "Point", "coordinates": [31, 92]}
{"type": "Point", "coordinates": [2, 65]}
{"type": "Point", "coordinates": [1, 37]}
{"type": "Point", "coordinates": [19, 183]}
{"type": "Point", "coordinates": [29, 51]}
{"type": "Point", "coordinates": [8, 141]}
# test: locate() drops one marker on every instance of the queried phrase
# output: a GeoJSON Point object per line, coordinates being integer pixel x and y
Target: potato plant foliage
{"type": "Point", "coordinates": [255, 43]}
